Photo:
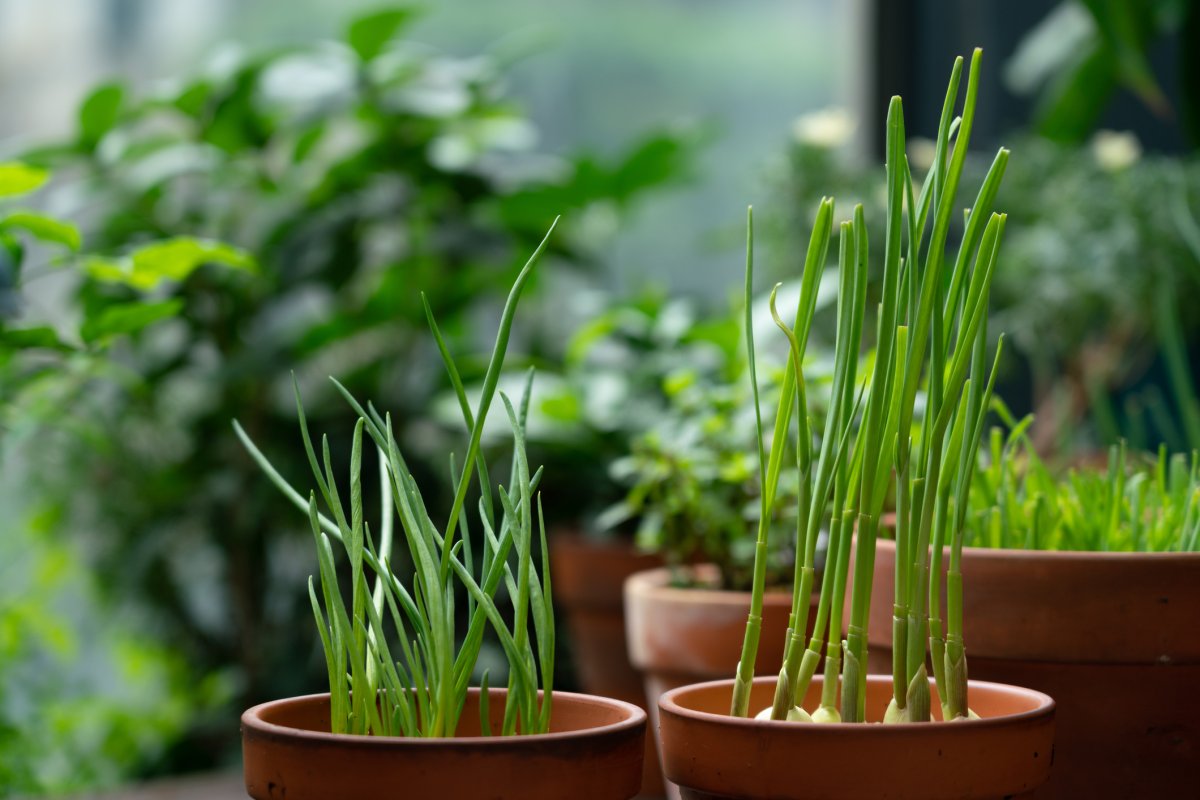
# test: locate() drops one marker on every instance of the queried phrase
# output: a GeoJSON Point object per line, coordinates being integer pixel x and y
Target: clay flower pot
{"type": "Point", "coordinates": [589, 578]}
{"type": "Point", "coordinates": [1112, 637]}
{"type": "Point", "coordinates": [679, 636]}
{"type": "Point", "coordinates": [594, 751]}
{"type": "Point", "coordinates": [713, 756]}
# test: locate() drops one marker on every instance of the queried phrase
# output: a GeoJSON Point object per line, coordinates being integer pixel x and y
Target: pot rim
{"type": "Point", "coordinates": [1045, 705]}
{"type": "Point", "coordinates": [654, 583]}
{"type": "Point", "coordinates": [577, 534]}
{"type": "Point", "coordinates": [252, 721]}
{"type": "Point", "coordinates": [1071, 556]}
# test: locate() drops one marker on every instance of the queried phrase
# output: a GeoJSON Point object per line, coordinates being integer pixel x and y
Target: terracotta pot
{"type": "Point", "coordinates": [594, 750]}
{"type": "Point", "coordinates": [589, 576]}
{"type": "Point", "coordinates": [1112, 637]}
{"type": "Point", "coordinates": [713, 756]}
{"type": "Point", "coordinates": [678, 636]}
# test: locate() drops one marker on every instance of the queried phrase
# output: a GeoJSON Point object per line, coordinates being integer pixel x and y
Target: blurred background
{"type": "Point", "coordinates": [214, 194]}
{"type": "Point", "coordinates": [589, 76]}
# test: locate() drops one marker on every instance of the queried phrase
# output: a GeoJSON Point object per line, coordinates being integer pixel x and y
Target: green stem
{"type": "Point", "coordinates": [769, 471]}
{"type": "Point", "coordinates": [740, 703]}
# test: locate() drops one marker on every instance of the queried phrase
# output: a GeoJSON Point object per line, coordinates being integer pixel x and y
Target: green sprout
{"type": "Point", "coordinates": [916, 421]}
{"type": "Point", "coordinates": [1136, 503]}
{"type": "Point", "coordinates": [418, 686]}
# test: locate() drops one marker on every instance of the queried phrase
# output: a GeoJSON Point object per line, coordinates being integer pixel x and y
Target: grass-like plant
{"type": "Point", "coordinates": [1137, 503]}
{"type": "Point", "coordinates": [931, 333]}
{"type": "Point", "coordinates": [415, 683]}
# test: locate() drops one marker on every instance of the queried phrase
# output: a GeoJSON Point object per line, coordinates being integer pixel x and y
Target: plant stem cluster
{"type": "Point", "coordinates": [913, 424]}
{"type": "Point", "coordinates": [423, 692]}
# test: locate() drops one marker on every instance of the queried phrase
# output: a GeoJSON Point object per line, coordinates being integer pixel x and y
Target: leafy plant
{"type": "Point", "coordinates": [677, 385]}
{"type": "Point", "coordinates": [1137, 503]}
{"type": "Point", "coordinates": [931, 325]}
{"type": "Point", "coordinates": [630, 358]}
{"type": "Point", "coordinates": [87, 697]}
{"type": "Point", "coordinates": [692, 489]}
{"type": "Point", "coordinates": [350, 171]}
{"type": "Point", "coordinates": [1098, 261]}
{"type": "Point", "coordinates": [423, 695]}
{"type": "Point", "coordinates": [57, 243]}
{"type": "Point", "coordinates": [1083, 51]}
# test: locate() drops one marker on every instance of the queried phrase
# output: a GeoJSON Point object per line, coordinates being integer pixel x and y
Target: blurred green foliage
{"type": "Point", "coordinates": [1077, 58]}
{"type": "Point", "coordinates": [1098, 243]}
{"type": "Point", "coordinates": [669, 388]}
{"type": "Point", "coordinates": [87, 695]}
{"type": "Point", "coordinates": [354, 173]}
{"type": "Point", "coordinates": [36, 245]}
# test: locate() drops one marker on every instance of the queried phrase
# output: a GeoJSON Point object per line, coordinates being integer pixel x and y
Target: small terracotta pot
{"type": "Point", "coordinates": [589, 577]}
{"type": "Point", "coordinates": [678, 636]}
{"type": "Point", "coordinates": [1112, 637]}
{"type": "Point", "coordinates": [594, 750]}
{"type": "Point", "coordinates": [713, 756]}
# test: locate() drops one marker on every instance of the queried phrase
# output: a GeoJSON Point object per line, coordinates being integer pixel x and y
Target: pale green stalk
{"type": "Point", "coordinates": [769, 470]}
{"type": "Point", "coordinates": [852, 287]}
{"type": "Point", "coordinates": [922, 319]}
{"type": "Point", "coordinates": [744, 680]}
{"type": "Point", "coordinates": [491, 378]}
{"type": "Point", "coordinates": [833, 586]}
{"type": "Point", "coordinates": [952, 687]}
{"type": "Point", "coordinates": [875, 439]}
{"type": "Point", "coordinates": [930, 325]}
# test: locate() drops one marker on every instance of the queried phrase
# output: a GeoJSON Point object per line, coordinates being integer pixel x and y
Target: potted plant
{"type": "Point", "coordinates": [945, 736]}
{"type": "Point", "coordinates": [1100, 567]}
{"type": "Point", "coordinates": [400, 711]}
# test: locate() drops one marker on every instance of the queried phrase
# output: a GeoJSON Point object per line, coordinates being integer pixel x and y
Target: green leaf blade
{"type": "Point", "coordinates": [43, 228]}
{"type": "Point", "coordinates": [18, 179]}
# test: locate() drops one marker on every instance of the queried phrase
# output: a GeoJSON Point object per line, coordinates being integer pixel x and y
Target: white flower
{"type": "Point", "coordinates": [1116, 150]}
{"type": "Point", "coordinates": [827, 128]}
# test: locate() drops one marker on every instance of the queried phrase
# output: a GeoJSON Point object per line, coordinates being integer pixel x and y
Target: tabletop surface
{"type": "Point", "coordinates": [219, 786]}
